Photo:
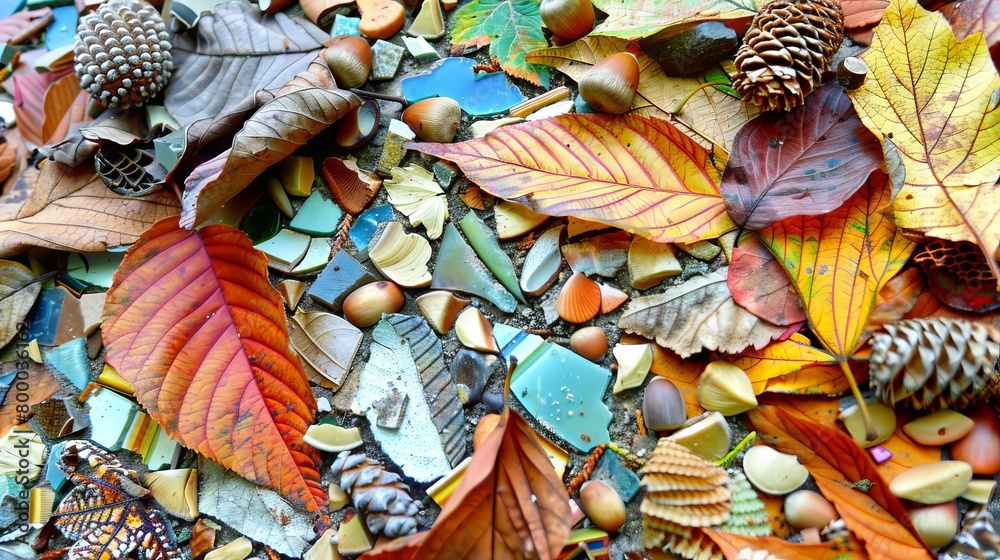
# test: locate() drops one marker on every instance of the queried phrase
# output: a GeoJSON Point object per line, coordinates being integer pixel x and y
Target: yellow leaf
{"type": "Point", "coordinates": [775, 367]}
{"type": "Point", "coordinates": [414, 192]}
{"type": "Point", "coordinates": [933, 101]}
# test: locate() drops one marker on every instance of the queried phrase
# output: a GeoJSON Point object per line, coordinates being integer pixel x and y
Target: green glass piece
{"type": "Point", "coordinates": [557, 386]}
{"type": "Point", "coordinates": [317, 216]}
{"type": "Point", "coordinates": [316, 257]}
{"type": "Point", "coordinates": [484, 242]}
{"type": "Point", "coordinates": [285, 249]}
{"type": "Point", "coordinates": [261, 223]}
{"type": "Point", "coordinates": [96, 269]}
{"type": "Point", "coordinates": [717, 74]}
{"type": "Point", "coordinates": [110, 416]}
{"type": "Point", "coordinates": [458, 268]}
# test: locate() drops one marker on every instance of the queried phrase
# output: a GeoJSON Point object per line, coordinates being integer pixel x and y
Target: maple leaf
{"type": "Point", "coordinates": [514, 28]}
{"type": "Point", "coordinates": [104, 511]}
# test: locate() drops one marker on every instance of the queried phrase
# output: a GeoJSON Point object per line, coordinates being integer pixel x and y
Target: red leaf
{"type": "Point", "coordinates": [862, 13]}
{"type": "Point", "coordinates": [761, 286]}
{"type": "Point", "coordinates": [31, 107]}
{"type": "Point", "coordinates": [194, 325]}
{"type": "Point", "coordinates": [969, 16]}
{"type": "Point", "coordinates": [805, 162]}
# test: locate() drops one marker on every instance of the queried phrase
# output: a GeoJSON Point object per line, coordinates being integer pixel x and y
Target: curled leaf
{"type": "Point", "coordinates": [18, 292]}
{"type": "Point", "coordinates": [326, 343]}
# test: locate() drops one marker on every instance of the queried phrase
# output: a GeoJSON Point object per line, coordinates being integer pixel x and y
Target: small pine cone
{"type": "Point", "coordinates": [122, 55]}
{"type": "Point", "coordinates": [786, 49]}
{"type": "Point", "coordinates": [378, 495]}
{"type": "Point", "coordinates": [933, 363]}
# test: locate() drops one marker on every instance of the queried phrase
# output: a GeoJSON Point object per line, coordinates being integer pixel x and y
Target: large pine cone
{"type": "Point", "coordinates": [122, 55]}
{"type": "Point", "coordinates": [933, 363]}
{"type": "Point", "coordinates": [785, 51]}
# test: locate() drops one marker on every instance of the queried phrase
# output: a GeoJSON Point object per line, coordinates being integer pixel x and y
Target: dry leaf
{"type": "Point", "coordinates": [846, 548]}
{"type": "Point", "coordinates": [326, 343]}
{"type": "Point", "coordinates": [632, 20]}
{"type": "Point", "coordinates": [971, 16]}
{"type": "Point", "coordinates": [350, 186]}
{"type": "Point", "coordinates": [18, 291]}
{"type": "Point", "coordinates": [41, 385]}
{"type": "Point", "coordinates": [65, 105]}
{"type": "Point", "coordinates": [896, 298]}
{"type": "Point", "coordinates": [862, 13]}
{"type": "Point", "coordinates": [415, 193]}
{"type": "Point", "coordinates": [696, 315]}
{"type": "Point", "coordinates": [792, 366]}
{"type": "Point", "coordinates": [641, 175]}
{"type": "Point", "coordinates": [761, 286]}
{"type": "Point", "coordinates": [57, 207]}
{"type": "Point", "coordinates": [30, 107]}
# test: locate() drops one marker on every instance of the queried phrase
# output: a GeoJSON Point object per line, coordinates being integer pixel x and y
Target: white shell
{"type": "Point", "coordinates": [772, 471]}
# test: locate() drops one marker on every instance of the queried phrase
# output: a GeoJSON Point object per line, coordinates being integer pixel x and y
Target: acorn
{"type": "Point", "coordinates": [590, 342]}
{"type": "Point", "coordinates": [350, 59]}
{"type": "Point", "coordinates": [805, 509]}
{"type": "Point", "coordinates": [365, 306]}
{"type": "Point", "coordinates": [435, 119]}
{"type": "Point", "coordinates": [936, 524]}
{"type": "Point", "coordinates": [568, 19]}
{"type": "Point", "coordinates": [662, 405]}
{"type": "Point", "coordinates": [610, 85]}
{"type": "Point", "coordinates": [121, 55]}
{"type": "Point", "coordinates": [602, 505]}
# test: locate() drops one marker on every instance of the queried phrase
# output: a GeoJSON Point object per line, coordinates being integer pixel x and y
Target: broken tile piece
{"type": "Point", "coordinates": [634, 361]}
{"type": "Point", "coordinates": [62, 30]}
{"type": "Point", "coordinates": [365, 225]}
{"type": "Point", "coordinates": [429, 23]}
{"type": "Point", "coordinates": [285, 250]}
{"type": "Point", "coordinates": [542, 263]}
{"type": "Point", "coordinates": [420, 49]}
{"type": "Point", "coordinates": [441, 490]}
{"type": "Point", "coordinates": [315, 258]}
{"type": "Point", "coordinates": [70, 359]}
{"type": "Point", "coordinates": [386, 58]}
{"type": "Point", "coordinates": [341, 276]}
{"type": "Point", "coordinates": [480, 129]}
{"type": "Point", "coordinates": [391, 409]}
{"type": "Point", "coordinates": [561, 389]}
{"type": "Point", "coordinates": [343, 25]}
{"type": "Point", "coordinates": [455, 78]}
{"type": "Point", "coordinates": [393, 151]}
{"type": "Point", "coordinates": [444, 173]}
{"type": "Point", "coordinates": [620, 478]}
{"type": "Point", "coordinates": [317, 216]}
{"type": "Point", "coordinates": [111, 416]}
{"type": "Point", "coordinates": [162, 452]}
{"type": "Point", "coordinates": [291, 291]}
{"type": "Point", "coordinates": [440, 308]}
{"type": "Point", "coordinates": [296, 174]}
{"type": "Point", "coordinates": [459, 269]}
{"type": "Point", "coordinates": [603, 254]}
{"type": "Point", "coordinates": [484, 243]}
{"type": "Point", "coordinates": [650, 263]}
{"type": "Point", "coordinates": [261, 223]}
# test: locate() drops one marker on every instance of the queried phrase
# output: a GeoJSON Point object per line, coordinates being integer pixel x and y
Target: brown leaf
{"type": "Point", "coordinates": [65, 104]}
{"type": "Point", "coordinates": [58, 207]}
{"type": "Point", "coordinates": [327, 344]}
{"type": "Point", "coordinates": [847, 548]}
{"type": "Point", "coordinates": [876, 517]}
{"type": "Point", "coordinates": [8, 158]}
{"type": "Point", "coordinates": [510, 504]}
{"type": "Point", "coordinates": [18, 292]}
{"type": "Point", "coordinates": [30, 107]}
{"type": "Point", "coordinates": [41, 386]}
{"type": "Point", "coordinates": [896, 298]}
{"type": "Point", "coordinates": [862, 13]}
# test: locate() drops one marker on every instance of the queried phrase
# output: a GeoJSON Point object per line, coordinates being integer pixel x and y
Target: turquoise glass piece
{"type": "Point", "coordinates": [55, 475]}
{"type": "Point", "coordinates": [620, 478]}
{"type": "Point", "coordinates": [490, 95]}
{"type": "Point", "coordinates": [62, 30]}
{"type": "Point", "coordinates": [343, 25]}
{"type": "Point", "coordinates": [96, 269]}
{"type": "Point", "coordinates": [560, 388]}
{"type": "Point", "coordinates": [484, 242]}
{"type": "Point", "coordinates": [261, 223]}
{"type": "Point", "coordinates": [70, 359]}
{"type": "Point", "coordinates": [386, 58]}
{"type": "Point", "coordinates": [170, 148]}
{"type": "Point", "coordinates": [111, 416]}
{"type": "Point", "coordinates": [163, 453]}
{"type": "Point", "coordinates": [364, 227]}
{"type": "Point", "coordinates": [458, 268]}
{"type": "Point", "coordinates": [11, 7]}
{"type": "Point", "coordinates": [317, 216]}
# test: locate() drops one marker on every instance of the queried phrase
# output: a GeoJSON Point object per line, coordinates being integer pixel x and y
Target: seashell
{"type": "Point", "coordinates": [650, 263]}
{"type": "Point", "coordinates": [351, 187]}
{"type": "Point", "coordinates": [979, 490]}
{"type": "Point", "coordinates": [773, 472]}
{"type": "Point", "coordinates": [515, 220]}
{"type": "Point", "coordinates": [350, 60]}
{"type": "Point", "coordinates": [602, 505]}
{"type": "Point", "coordinates": [688, 516]}
{"type": "Point", "coordinates": [580, 299]}
{"type": "Point", "coordinates": [981, 446]}
{"type": "Point", "coordinates": [711, 495]}
{"type": "Point", "coordinates": [542, 263]}
{"type": "Point", "coordinates": [590, 342]}
{"type": "Point", "coordinates": [40, 502]}
{"type": "Point", "coordinates": [667, 482]}
{"type": "Point", "coordinates": [279, 196]}
{"type": "Point", "coordinates": [725, 388]}
{"type": "Point", "coordinates": [435, 119]}
{"type": "Point", "coordinates": [610, 85]}
{"type": "Point", "coordinates": [291, 291]}
{"type": "Point", "coordinates": [338, 498]}
{"type": "Point", "coordinates": [936, 524]}
{"type": "Point", "coordinates": [429, 22]}
{"type": "Point", "coordinates": [883, 417]}
{"type": "Point", "coordinates": [470, 372]}
{"type": "Point", "coordinates": [568, 19]}
{"type": "Point", "coordinates": [932, 483]}
{"type": "Point", "coordinates": [440, 308]}
{"type": "Point", "coordinates": [402, 257]}
{"type": "Point", "coordinates": [748, 517]}
{"type": "Point", "coordinates": [939, 428]}
{"type": "Point", "coordinates": [353, 537]}
{"type": "Point", "coordinates": [176, 490]}
{"type": "Point", "coordinates": [331, 438]}
{"type": "Point", "coordinates": [611, 298]}
{"type": "Point", "coordinates": [484, 428]}
{"type": "Point", "coordinates": [709, 437]}
{"type": "Point", "coordinates": [805, 509]}
{"type": "Point", "coordinates": [358, 127]}
{"type": "Point", "coordinates": [670, 457]}
{"type": "Point", "coordinates": [235, 550]}
{"type": "Point", "coordinates": [634, 361]}
{"type": "Point", "coordinates": [663, 407]}
{"type": "Point", "coordinates": [365, 306]}
{"type": "Point", "coordinates": [475, 332]}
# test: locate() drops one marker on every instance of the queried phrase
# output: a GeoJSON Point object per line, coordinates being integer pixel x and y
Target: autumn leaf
{"type": "Point", "coordinates": [806, 161]}
{"type": "Point", "coordinates": [775, 367]}
{"type": "Point", "coordinates": [42, 384]}
{"type": "Point", "coordinates": [193, 324]}
{"type": "Point", "coordinates": [638, 174]}
{"type": "Point", "coordinates": [18, 291]}
{"type": "Point", "coordinates": [514, 28]}
{"type": "Point", "coordinates": [761, 286]}
{"type": "Point", "coordinates": [695, 315]}
{"type": "Point", "coordinates": [632, 20]}
{"type": "Point", "coordinates": [970, 16]}
{"type": "Point", "coordinates": [709, 116]}
{"type": "Point", "coordinates": [862, 13]}
{"type": "Point", "coordinates": [876, 517]}
{"type": "Point", "coordinates": [844, 548]}
{"type": "Point", "coordinates": [931, 100]}
{"type": "Point", "coordinates": [104, 510]}
{"type": "Point", "coordinates": [73, 210]}
{"type": "Point", "coordinates": [33, 107]}
{"type": "Point", "coordinates": [327, 344]}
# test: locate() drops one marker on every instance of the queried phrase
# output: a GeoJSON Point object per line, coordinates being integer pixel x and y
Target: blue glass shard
{"type": "Point", "coordinates": [70, 359]}
{"type": "Point", "coordinates": [11, 7]}
{"type": "Point", "coordinates": [620, 478]}
{"type": "Point", "coordinates": [364, 227]}
{"type": "Point", "coordinates": [491, 94]}
{"type": "Point", "coordinates": [458, 268]}
{"type": "Point", "coordinates": [341, 276]}
{"type": "Point", "coordinates": [45, 318]}
{"type": "Point", "coordinates": [62, 30]}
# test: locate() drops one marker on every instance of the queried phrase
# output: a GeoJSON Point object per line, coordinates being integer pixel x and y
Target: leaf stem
{"type": "Point", "coordinates": [373, 95]}
{"type": "Point", "coordinates": [870, 433]}
{"type": "Point", "coordinates": [743, 444]}
{"type": "Point", "coordinates": [680, 105]}
{"type": "Point", "coordinates": [511, 366]}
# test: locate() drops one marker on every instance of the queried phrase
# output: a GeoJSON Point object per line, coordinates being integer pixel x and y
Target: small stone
{"type": "Point", "coordinates": [940, 428]}
{"type": "Point", "coordinates": [445, 173]}
{"type": "Point", "coordinates": [701, 250]}
{"type": "Point", "coordinates": [851, 72]}
{"type": "Point", "coordinates": [470, 370]}
{"type": "Point", "coordinates": [341, 276]}
{"type": "Point", "coordinates": [620, 478]}
{"type": "Point", "coordinates": [420, 49]}
{"type": "Point", "coordinates": [386, 59]}
{"type": "Point", "coordinates": [692, 51]}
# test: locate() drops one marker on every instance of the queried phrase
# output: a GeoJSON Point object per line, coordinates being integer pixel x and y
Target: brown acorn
{"type": "Point", "coordinates": [568, 19]}
{"type": "Point", "coordinates": [435, 119]}
{"type": "Point", "coordinates": [610, 85]}
{"type": "Point", "coordinates": [350, 59]}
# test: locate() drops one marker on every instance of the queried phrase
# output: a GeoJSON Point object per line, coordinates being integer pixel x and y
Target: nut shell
{"type": "Point", "coordinates": [602, 505]}
{"type": "Point", "coordinates": [936, 524]}
{"type": "Point", "coordinates": [662, 405]}
{"type": "Point", "coordinates": [435, 119]}
{"type": "Point", "coordinates": [568, 19]}
{"type": "Point", "coordinates": [772, 471]}
{"type": "Point", "coordinates": [365, 306]}
{"type": "Point", "coordinates": [932, 483]}
{"type": "Point", "coordinates": [610, 85]}
{"type": "Point", "coordinates": [806, 509]}
{"type": "Point", "coordinates": [350, 60]}
{"type": "Point", "coordinates": [590, 342]}
{"type": "Point", "coordinates": [725, 388]}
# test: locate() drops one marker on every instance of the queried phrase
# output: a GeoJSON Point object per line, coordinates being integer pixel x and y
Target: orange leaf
{"type": "Point", "coordinates": [877, 518]}
{"type": "Point", "coordinates": [634, 173]}
{"type": "Point", "coordinates": [510, 504]}
{"type": "Point", "coordinates": [193, 324]}
{"type": "Point", "coordinates": [896, 298]}
{"type": "Point", "coordinates": [774, 367]}
{"type": "Point", "coordinates": [862, 13]}
{"type": "Point", "coordinates": [31, 108]}
{"type": "Point", "coordinates": [839, 549]}
{"type": "Point", "coordinates": [906, 453]}
{"type": "Point", "coordinates": [65, 103]}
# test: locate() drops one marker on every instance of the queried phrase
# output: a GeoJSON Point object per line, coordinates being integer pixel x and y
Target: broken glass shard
{"type": "Point", "coordinates": [459, 269]}
{"type": "Point", "coordinates": [484, 242]}
{"type": "Point", "coordinates": [365, 225]}
{"type": "Point", "coordinates": [317, 216]}
{"type": "Point", "coordinates": [455, 78]}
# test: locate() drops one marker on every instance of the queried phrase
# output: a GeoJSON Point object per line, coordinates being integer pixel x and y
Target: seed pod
{"type": "Point", "coordinates": [350, 59]}
{"type": "Point", "coordinates": [435, 119]}
{"type": "Point", "coordinates": [568, 19]}
{"type": "Point", "coordinates": [610, 85]}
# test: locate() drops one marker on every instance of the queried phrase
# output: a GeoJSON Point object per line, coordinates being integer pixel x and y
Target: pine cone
{"type": "Point", "coordinates": [785, 51]}
{"type": "Point", "coordinates": [933, 363]}
{"type": "Point", "coordinates": [377, 494]}
{"type": "Point", "coordinates": [122, 54]}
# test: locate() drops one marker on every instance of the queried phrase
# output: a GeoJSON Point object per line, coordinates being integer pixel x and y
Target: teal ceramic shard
{"type": "Point", "coordinates": [169, 149]}
{"type": "Point", "coordinates": [620, 478]}
{"type": "Point", "coordinates": [111, 416]}
{"type": "Point", "coordinates": [490, 95]}
{"type": "Point", "coordinates": [459, 269]}
{"type": "Point", "coordinates": [316, 257]}
{"type": "Point", "coordinates": [343, 25]}
{"type": "Point", "coordinates": [365, 225]}
{"type": "Point", "coordinates": [96, 269]}
{"type": "Point", "coordinates": [317, 216]}
{"type": "Point", "coordinates": [261, 223]}
{"type": "Point", "coordinates": [386, 58]}
{"type": "Point", "coordinates": [9, 8]}
{"type": "Point", "coordinates": [53, 474]}
{"type": "Point", "coordinates": [445, 173]}
{"type": "Point", "coordinates": [284, 250]}
{"type": "Point", "coordinates": [420, 48]}
{"type": "Point", "coordinates": [484, 242]}
{"type": "Point", "coordinates": [560, 388]}
{"type": "Point", "coordinates": [70, 359]}
{"type": "Point", "coordinates": [62, 30]}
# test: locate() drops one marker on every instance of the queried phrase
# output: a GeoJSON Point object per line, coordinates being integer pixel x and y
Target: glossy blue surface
{"type": "Point", "coordinates": [490, 94]}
